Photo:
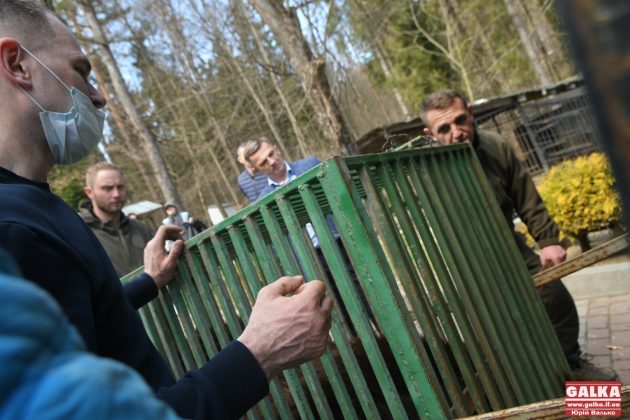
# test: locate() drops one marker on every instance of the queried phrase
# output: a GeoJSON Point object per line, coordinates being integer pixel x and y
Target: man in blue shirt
{"type": "Point", "coordinates": [266, 158]}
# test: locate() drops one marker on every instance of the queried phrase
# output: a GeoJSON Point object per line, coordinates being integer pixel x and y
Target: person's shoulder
{"type": "Point", "coordinates": [490, 138]}
{"type": "Point", "coordinates": [46, 361]}
{"type": "Point", "coordinates": [494, 144]}
{"type": "Point", "coordinates": [86, 215]}
{"type": "Point", "coordinates": [266, 189]}
{"type": "Point", "coordinates": [139, 225]}
{"type": "Point", "coordinates": [305, 164]}
{"type": "Point", "coordinates": [260, 177]}
{"type": "Point", "coordinates": [243, 177]}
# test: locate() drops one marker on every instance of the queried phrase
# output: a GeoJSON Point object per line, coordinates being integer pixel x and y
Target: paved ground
{"type": "Point", "coordinates": [605, 331]}
{"type": "Point", "coordinates": [602, 296]}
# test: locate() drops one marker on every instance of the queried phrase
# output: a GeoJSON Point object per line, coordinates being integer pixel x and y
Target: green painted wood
{"type": "Point", "coordinates": [414, 279]}
{"type": "Point", "coordinates": [340, 271]}
{"type": "Point", "coordinates": [253, 278]}
{"type": "Point", "coordinates": [440, 293]}
{"type": "Point", "coordinates": [516, 306]}
{"type": "Point", "coordinates": [377, 280]}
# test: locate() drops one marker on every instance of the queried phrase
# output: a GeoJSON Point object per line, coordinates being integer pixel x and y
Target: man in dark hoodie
{"type": "Point", "coordinates": [124, 239]}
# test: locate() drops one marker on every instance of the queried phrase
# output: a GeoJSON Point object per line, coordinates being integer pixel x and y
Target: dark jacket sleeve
{"type": "Point", "coordinates": [140, 290]}
{"type": "Point", "coordinates": [224, 388]}
{"type": "Point", "coordinates": [527, 202]}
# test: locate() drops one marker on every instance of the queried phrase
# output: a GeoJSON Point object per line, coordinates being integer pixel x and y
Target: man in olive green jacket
{"type": "Point", "coordinates": [449, 120]}
{"type": "Point", "coordinates": [124, 239]}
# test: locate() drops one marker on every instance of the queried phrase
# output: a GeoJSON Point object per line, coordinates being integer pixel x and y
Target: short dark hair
{"type": "Point", "coordinates": [28, 14]}
{"type": "Point", "coordinates": [252, 146]}
{"type": "Point", "coordinates": [441, 99]}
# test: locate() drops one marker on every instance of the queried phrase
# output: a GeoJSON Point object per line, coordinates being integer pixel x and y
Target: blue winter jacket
{"type": "Point", "coordinates": [46, 371]}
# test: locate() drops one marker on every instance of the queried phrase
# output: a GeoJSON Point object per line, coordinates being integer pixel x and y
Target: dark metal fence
{"type": "Point", "coordinates": [549, 130]}
{"type": "Point", "coordinates": [436, 315]}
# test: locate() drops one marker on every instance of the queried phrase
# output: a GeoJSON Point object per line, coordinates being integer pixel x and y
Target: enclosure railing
{"type": "Point", "coordinates": [436, 315]}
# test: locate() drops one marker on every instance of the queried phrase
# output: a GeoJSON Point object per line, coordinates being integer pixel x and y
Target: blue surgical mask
{"type": "Point", "coordinates": [71, 135]}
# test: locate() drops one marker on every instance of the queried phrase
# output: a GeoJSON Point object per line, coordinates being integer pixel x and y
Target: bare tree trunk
{"type": "Point", "coordinates": [535, 59]}
{"type": "Point", "coordinates": [150, 144]}
{"type": "Point", "coordinates": [556, 58]}
{"type": "Point", "coordinates": [449, 51]}
{"type": "Point", "coordinates": [386, 68]}
{"type": "Point", "coordinates": [299, 135]}
{"type": "Point", "coordinates": [383, 60]}
{"type": "Point", "coordinates": [180, 43]}
{"type": "Point", "coordinates": [124, 133]}
{"type": "Point", "coordinates": [285, 26]}
{"type": "Point", "coordinates": [263, 107]}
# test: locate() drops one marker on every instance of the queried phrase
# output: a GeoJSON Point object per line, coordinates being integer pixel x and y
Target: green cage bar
{"type": "Point", "coordinates": [435, 313]}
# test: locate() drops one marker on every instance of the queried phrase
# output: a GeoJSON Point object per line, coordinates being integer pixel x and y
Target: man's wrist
{"type": "Point", "coordinates": [262, 359]}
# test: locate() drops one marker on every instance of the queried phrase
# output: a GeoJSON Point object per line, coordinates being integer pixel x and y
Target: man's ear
{"type": "Point", "coordinates": [12, 63]}
{"type": "Point", "coordinates": [88, 191]}
{"type": "Point", "coordinates": [470, 109]}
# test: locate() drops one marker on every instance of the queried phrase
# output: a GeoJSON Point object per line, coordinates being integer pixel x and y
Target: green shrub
{"type": "Point", "coordinates": [580, 195]}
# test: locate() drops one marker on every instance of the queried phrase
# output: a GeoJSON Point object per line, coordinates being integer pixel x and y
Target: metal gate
{"type": "Point", "coordinates": [436, 315]}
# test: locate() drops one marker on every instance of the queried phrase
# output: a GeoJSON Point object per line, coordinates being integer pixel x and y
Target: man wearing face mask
{"type": "Point", "coordinates": [49, 114]}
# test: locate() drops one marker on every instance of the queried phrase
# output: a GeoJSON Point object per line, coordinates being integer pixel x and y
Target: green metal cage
{"type": "Point", "coordinates": [435, 313]}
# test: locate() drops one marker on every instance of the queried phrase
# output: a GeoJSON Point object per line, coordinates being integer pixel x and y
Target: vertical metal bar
{"type": "Point", "coordinates": [520, 310]}
{"type": "Point", "coordinates": [436, 300]}
{"type": "Point", "coordinates": [532, 135]}
{"type": "Point", "coordinates": [217, 288]}
{"type": "Point", "coordinates": [501, 339]}
{"type": "Point", "coordinates": [232, 279]}
{"type": "Point", "coordinates": [152, 329]}
{"type": "Point", "coordinates": [495, 353]}
{"type": "Point", "coordinates": [442, 261]}
{"type": "Point", "coordinates": [327, 359]}
{"type": "Point", "coordinates": [192, 341]}
{"type": "Point", "coordinates": [271, 271]}
{"type": "Point", "coordinates": [477, 261]}
{"type": "Point", "coordinates": [206, 298]}
{"type": "Point", "coordinates": [360, 242]}
{"type": "Point", "coordinates": [222, 296]}
{"type": "Point", "coordinates": [196, 309]}
{"type": "Point", "coordinates": [390, 233]}
{"type": "Point", "coordinates": [352, 367]}
{"type": "Point", "coordinates": [167, 337]}
{"type": "Point", "coordinates": [522, 283]}
{"type": "Point", "coordinates": [173, 321]}
{"type": "Point", "coordinates": [242, 302]}
{"type": "Point", "coordinates": [254, 282]}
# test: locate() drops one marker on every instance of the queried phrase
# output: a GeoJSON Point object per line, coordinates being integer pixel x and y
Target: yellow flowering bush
{"type": "Point", "coordinates": [580, 195]}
